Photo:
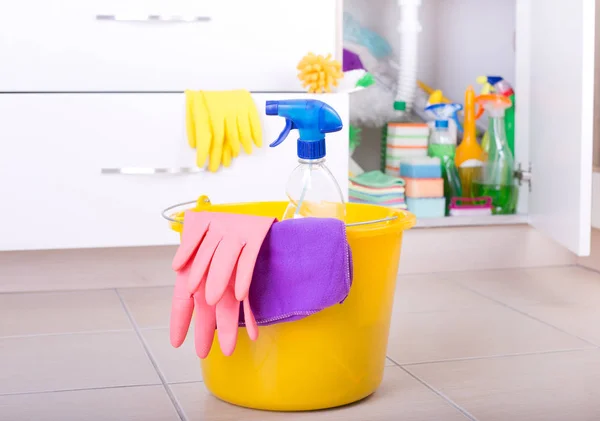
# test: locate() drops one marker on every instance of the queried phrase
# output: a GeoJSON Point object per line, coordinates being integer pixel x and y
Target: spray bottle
{"type": "Point", "coordinates": [503, 88]}
{"type": "Point", "coordinates": [497, 176]}
{"type": "Point", "coordinates": [312, 189]}
{"type": "Point", "coordinates": [496, 84]}
{"type": "Point", "coordinates": [469, 155]}
{"type": "Point", "coordinates": [443, 145]}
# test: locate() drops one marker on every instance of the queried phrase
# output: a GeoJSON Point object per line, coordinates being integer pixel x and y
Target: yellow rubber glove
{"type": "Point", "coordinates": [198, 126]}
{"type": "Point", "coordinates": [248, 120]}
{"type": "Point", "coordinates": [221, 123]}
{"type": "Point", "coordinates": [218, 108]}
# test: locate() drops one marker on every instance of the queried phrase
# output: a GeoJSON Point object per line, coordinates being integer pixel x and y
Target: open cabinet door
{"type": "Point", "coordinates": [555, 106]}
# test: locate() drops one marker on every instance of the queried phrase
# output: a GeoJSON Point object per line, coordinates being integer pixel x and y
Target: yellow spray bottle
{"type": "Point", "coordinates": [469, 155]}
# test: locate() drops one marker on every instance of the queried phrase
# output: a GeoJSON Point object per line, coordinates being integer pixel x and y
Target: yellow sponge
{"type": "Point", "coordinates": [319, 74]}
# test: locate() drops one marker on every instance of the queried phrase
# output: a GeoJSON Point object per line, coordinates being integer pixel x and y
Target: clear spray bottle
{"type": "Point", "coordinates": [312, 189]}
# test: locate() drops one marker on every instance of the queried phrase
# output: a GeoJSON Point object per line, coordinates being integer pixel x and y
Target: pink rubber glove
{"type": "Point", "coordinates": [183, 302]}
{"type": "Point", "coordinates": [210, 284]}
{"type": "Point", "coordinates": [223, 268]}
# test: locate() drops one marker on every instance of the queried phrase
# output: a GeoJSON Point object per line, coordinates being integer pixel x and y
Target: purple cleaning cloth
{"type": "Point", "coordinates": [304, 266]}
{"type": "Point", "coordinates": [351, 61]}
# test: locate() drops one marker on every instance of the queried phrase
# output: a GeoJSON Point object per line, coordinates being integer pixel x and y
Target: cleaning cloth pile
{"type": "Point", "coordinates": [377, 188]}
{"type": "Point", "coordinates": [220, 124]}
{"type": "Point", "coordinates": [243, 270]}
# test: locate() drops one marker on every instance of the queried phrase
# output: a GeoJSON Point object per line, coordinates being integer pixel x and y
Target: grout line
{"type": "Point", "coordinates": [589, 269]}
{"type": "Point", "coordinates": [489, 357]}
{"type": "Point", "coordinates": [441, 395]}
{"type": "Point", "coordinates": [43, 392]}
{"type": "Point", "coordinates": [186, 382]}
{"type": "Point", "coordinates": [487, 269]}
{"type": "Point", "coordinates": [84, 332]}
{"type": "Point", "coordinates": [505, 305]}
{"type": "Point", "coordinates": [66, 290]}
{"type": "Point", "coordinates": [163, 380]}
{"type": "Point", "coordinates": [144, 329]}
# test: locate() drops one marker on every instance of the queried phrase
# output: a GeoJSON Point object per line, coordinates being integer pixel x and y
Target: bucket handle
{"type": "Point", "coordinates": [203, 201]}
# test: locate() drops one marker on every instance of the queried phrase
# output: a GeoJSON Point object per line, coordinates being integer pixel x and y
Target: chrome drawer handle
{"type": "Point", "coordinates": [153, 18]}
{"type": "Point", "coordinates": [150, 171]}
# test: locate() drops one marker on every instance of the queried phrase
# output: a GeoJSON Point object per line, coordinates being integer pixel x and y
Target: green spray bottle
{"type": "Point", "coordinates": [442, 145]}
{"type": "Point", "coordinates": [502, 87]}
{"type": "Point", "coordinates": [496, 179]}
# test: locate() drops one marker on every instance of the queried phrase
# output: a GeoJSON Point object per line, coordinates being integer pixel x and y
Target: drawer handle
{"type": "Point", "coordinates": [150, 171]}
{"type": "Point", "coordinates": [154, 18]}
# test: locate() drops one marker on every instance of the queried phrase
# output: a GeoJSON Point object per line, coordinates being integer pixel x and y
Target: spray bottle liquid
{"type": "Point", "coordinates": [312, 189]}
{"type": "Point", "coordinates": [469, 155]}
{"type": "Point", "coordinates": [497, 176]}
{"type": "Point", "coordinates": [442, 145]}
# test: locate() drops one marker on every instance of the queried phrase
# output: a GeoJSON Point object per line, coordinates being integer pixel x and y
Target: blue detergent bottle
{"type": "Point", "coordinates": [312, 189]}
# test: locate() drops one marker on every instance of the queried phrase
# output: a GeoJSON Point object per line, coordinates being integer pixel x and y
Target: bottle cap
{"type": "Point", "coordinates": [399, 105]}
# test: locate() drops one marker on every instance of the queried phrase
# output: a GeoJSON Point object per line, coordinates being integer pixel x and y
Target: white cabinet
{"type": "Point", "coordinates": [160, 45]}
{"type": "Point", "coordinates": [546, 49]}
{"type": "Point", "coordinates": [55, 145]}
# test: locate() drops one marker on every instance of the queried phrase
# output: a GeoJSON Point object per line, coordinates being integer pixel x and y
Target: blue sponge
{"type": "Point", "coordinates": [427, 207]}
{"type": "Point", "coordinates": [424, 167]}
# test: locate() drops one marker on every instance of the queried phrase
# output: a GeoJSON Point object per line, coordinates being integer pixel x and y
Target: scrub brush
{"type": "Point", "coordinates": [319, 74]}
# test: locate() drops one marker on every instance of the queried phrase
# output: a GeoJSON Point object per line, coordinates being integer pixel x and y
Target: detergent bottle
{"type": "Point", "coordinates": [469, 155]}
{"type": "Point", "coordinates": [312, 189]}
{"type": "Point", "coordinates": [496, 179]}
{"type": "Point", "coordinates": [442, 145]}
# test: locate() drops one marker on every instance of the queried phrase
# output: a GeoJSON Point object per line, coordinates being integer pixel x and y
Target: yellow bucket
{"type": "Point", "coordinates": [332, 358]}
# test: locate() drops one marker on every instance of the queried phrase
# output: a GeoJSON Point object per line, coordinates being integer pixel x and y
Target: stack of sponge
{"type": "Point", "coordinates": [404, 140]}
{"type": "Point", "coordinates": [377, 188]}
{"type": "Point", "coordinates": [424, 186]}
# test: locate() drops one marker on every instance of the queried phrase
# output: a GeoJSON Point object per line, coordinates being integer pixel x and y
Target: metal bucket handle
{"type": "Point", "coordinates": [165, 214]}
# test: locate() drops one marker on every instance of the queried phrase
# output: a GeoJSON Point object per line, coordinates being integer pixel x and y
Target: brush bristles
{"type": "Point", "coordinates": [318, 73]}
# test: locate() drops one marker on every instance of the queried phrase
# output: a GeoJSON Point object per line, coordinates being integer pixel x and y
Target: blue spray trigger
{"type": "Point", "coordinates": [289, 126]}
{"type": "Point", "coordinates": [312, 118]}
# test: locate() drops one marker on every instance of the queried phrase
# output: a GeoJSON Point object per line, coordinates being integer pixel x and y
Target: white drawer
{"type": "Point", "coordinates": [54, 146]}
{"type": "Point", "coordinates": [62, 46]}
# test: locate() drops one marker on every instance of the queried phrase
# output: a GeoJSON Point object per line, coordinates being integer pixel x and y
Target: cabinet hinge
{"type": "Point", "coordinates": [524, 176]}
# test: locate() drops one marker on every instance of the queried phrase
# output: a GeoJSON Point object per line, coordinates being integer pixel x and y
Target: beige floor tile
{"type": "Point", "coordinates": [177, 365]}
{"type": "Point", "coordinates": [147, 403]}
{"type": "Point", "coordinates": [55, 270]}
{"type": "Point", "coordinates": [566, 297]}
{"type": "Point", "coordinates": [389, 363]}
{"type": "Point", "coordinates": [77, 361]}
{"type": "Point", "coordinates": [543, 387]}
{"type": "Point", "coordinates": [61, 312]}
{"type": "Point", "coordinates": [496, 330]}
{"type": "Point", "coordinates": [149, 307]}
{"type": "Point", "coordinates": [583, 322]}
{"type": "Point", "coordinates": [419, 293]}
{"type": "Point", "coordinates": [561, 286]}
{"type": "Point", "coordinates": [399, 396]}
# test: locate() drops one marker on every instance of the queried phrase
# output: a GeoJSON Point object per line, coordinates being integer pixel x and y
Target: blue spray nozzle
{"type": "Point", "coordinates": [312, 118]}
{"type": "Point", "coordinates": [443, 112]}
{"type": "Point", "coordinates": [492, 80]}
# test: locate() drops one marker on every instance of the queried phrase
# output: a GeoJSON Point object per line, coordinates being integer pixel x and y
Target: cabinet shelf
{"type": "Point", "coordinates": [471, 221]}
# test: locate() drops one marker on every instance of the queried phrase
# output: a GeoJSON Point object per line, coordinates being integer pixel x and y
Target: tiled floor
{"type": "Point", "coordinates": [491, 345]}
